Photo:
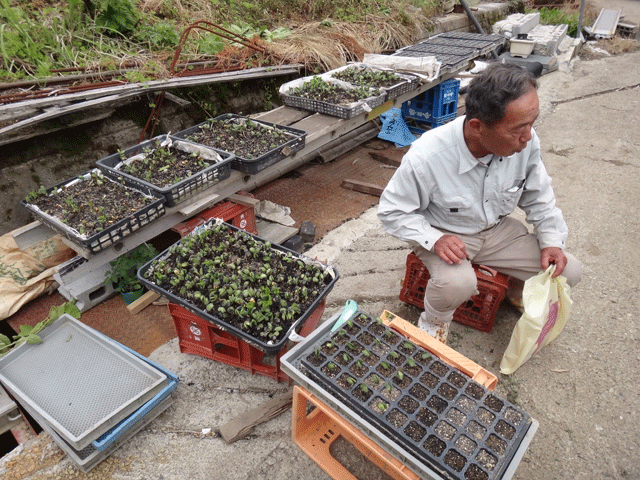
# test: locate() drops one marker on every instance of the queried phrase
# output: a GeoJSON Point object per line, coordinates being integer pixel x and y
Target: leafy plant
{"type": "Point", "coordinates": [560, 16]}
{"type": "Point", "coordinates": [30, 335]}
{"type": "Point", "coordinates": [123, 270]}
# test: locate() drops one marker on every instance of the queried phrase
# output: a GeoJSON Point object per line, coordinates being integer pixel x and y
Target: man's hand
{"type": "Point", "coordinates": [451, 249]}
{"type": "Point", "coordinates": [553, 255]}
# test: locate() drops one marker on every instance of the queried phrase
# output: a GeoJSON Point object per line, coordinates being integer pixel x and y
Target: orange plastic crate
{"type": "Point", "coordinates": [315, 432]}
{"type": "Point", "coordinates": [240, 216]}
{"type": "Point", "coordinates": [478, 312]}
{"type": "Point", "coordinates": [200, 337]}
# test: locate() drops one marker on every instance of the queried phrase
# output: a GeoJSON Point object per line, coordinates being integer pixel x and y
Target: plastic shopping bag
{"type": "Point", "coordinates": [547, 305]}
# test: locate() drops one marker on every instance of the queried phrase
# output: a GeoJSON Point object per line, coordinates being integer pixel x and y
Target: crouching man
{"type": "Point", "coordinates": [451, 197]}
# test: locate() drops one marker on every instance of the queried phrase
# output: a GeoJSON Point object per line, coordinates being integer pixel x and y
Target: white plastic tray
{"type": "Point", "coordinates": [79, 381]}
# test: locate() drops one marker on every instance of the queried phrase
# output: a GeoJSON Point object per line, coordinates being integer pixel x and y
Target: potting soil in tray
{"type": "Point", "coordinates": [165, 166]}
{"type": "Point", "coordinates": [436, 412]}
{"type": "Point", "coordinates": [94, 211]}
{"type": "Point", "coordinates": [393, 83]}
{"type": "Point", "coordinates": [330, 96]}
{"type": "Point", "coordinates": [256, 290]}
{"type": "Point", "coordinates": [256, 144]}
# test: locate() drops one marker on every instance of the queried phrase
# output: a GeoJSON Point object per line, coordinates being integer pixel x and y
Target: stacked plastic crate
{"type": "Point", "coordinates": [432, 108]}
{"type": "Point", "coordinates": [89, 393]}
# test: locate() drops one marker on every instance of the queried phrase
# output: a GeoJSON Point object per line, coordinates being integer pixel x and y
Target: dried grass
{"type": "Point", "coordinates": [320, 47]}
{"type": "Point", "coordinates": [312, 43]}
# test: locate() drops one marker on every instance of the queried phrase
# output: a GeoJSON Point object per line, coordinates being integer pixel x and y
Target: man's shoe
{"type": "Point", "coordinates": [436, 326]}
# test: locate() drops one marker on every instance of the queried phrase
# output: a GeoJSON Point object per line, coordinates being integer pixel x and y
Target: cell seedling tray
{"type": "Point", "coordinates": [110, 235]}
{"type": "Point", "coordinates": [433, 412]}
{"type": "Point", "coordinates": [220, 168]}
{"type": "Point", "coordinates": [78, 381]}
{"type": "Point", "coordinates": [295, 142]}
{"type": "Point", "coordinates": [234, 249]}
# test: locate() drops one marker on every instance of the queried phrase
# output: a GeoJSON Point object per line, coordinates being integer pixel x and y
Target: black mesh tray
{"type": "Point", "coordinates": [266, 346]}
{"type": "Point", "coordinates": [448, 421]}
{"type": "Point", "coordinates": [109, 236]}
{"type": "Point", "coordinates": [407, 82]}
{"type": "Point", "coordinates": [254, 165]}
{"type": "Point", "coordinates": [179, 191]}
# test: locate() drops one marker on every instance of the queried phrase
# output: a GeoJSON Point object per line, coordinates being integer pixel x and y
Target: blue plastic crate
{"type": "Point", "coordinates": [117, 431]}
{"type": "Point", "coordinates": [435, 106]}
{"type": "Point", "coordinates": [418, 128]}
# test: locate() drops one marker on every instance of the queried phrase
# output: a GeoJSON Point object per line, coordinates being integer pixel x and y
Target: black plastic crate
{"type": "Point", "coordinates": [253, 165]}
{"type": "Point", "coordinates": [111, 235]}
{"type": "Point", "coordinates": [435, 412]}
{"type": "Point", "coordinates": [181, 190]}
{"type": "Point", "coordinates": [211, 316]}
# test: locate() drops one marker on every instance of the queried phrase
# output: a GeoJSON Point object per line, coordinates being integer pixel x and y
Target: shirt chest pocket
{"type": "Point", "coordinates": [509, 198]}
{"type": "Point", "coordinates": [454, 210]}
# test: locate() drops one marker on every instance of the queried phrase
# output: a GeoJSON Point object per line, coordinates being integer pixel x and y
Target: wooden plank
{"type": "Point", "coordinates": [143, 302]}
{"type": "Point", "coordinates": [283, 115]}
{"type": "Point", "coordinates": [240, 426]}
{"type": "Point", "coordinates": [394, 162]}
{"type": "Point", "coordinates": [274, 232]}
{"type": "Point", "coordinates": [31, 234]}
{"type": "Point", "coordinates": [196, 206]}
{"type": "Point", "coordinates": [244, 200]}
{"type": "Point", "coordinates": [369, 188]}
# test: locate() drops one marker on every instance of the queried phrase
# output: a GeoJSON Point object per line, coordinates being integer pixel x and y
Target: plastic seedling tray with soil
{"type": "Point", "coordinates": [453, 424]}
{"type": "Point", "coordinates": [255, 290]}
{"type": "Point", "coordinates": [165, 166]}
{"type": "Point", "coordinates": [256, 144]}
{"type": "Point", "coordinates": [360, 74]}
{"type": "Point", "coordinates": [331, 96]}
{"type": "Point", "coordinates": [94, 211]}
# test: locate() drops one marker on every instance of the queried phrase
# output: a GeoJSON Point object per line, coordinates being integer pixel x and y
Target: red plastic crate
{"type": "Point", "coordinates": [240, 216]}
{"type": "Point", "coordinates": [200, 337]}
{"type": "Point", "coordinates": [478, 312]}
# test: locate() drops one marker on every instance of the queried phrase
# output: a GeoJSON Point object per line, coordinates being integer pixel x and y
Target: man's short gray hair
{"type": "Point", "coordinates": [490, 92]}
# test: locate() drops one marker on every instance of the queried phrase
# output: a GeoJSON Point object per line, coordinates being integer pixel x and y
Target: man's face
{"type": "Point", "coordinates": [513, 132]}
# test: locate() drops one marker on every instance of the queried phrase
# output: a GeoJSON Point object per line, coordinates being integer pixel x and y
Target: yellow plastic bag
{"type": "Point", "coordinates": [547, 305]}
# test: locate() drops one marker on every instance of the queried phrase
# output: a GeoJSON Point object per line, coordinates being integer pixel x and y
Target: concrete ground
{"type": "Point", "coordinates": [582, 388]}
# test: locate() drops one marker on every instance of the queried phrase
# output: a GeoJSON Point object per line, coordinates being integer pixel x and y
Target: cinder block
{"type": "Point", "coordinates": [527, 23]}
{"type": "Point", "coordinates": [308, 231]}
{"type": "Point", "coordinates": [548, 38]}
{"type": "Point", "coordinates": [295, 243]}
{"type": "Point", "coordinates": [88, 291]}
{"type": "Point", "coordinates": [516, 24]}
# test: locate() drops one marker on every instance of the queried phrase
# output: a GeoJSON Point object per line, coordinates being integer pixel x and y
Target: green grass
{"type": "Point", "coordinates": [37, 42]}
{"type": "Point", "coordinates": [555, 16]}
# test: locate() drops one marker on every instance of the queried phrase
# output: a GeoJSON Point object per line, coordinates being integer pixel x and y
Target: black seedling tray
{"type": "Point", "coordinates": [109, 236]}
{"type": "Point", "coordinates": [436, 412]}
{"type": "Point", "coordinates": [179, 191]}
{"type": "Point", "coordinates": [266, 346]}
{"type": "Point", "coordinates": [254, 165]}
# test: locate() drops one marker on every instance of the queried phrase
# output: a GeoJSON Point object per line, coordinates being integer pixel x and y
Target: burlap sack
{"type": "Point", "coordinates": [25, 275]}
